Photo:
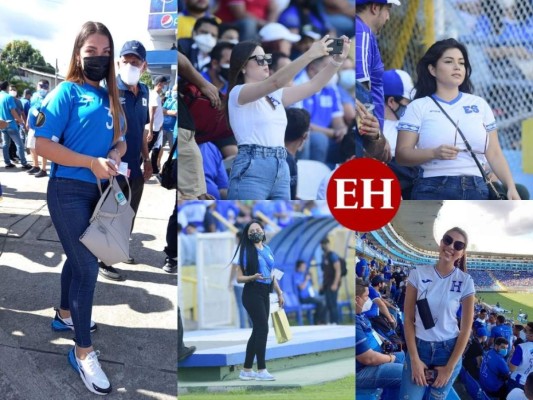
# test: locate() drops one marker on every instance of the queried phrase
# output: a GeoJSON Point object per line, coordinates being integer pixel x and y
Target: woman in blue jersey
{"type": "Point", "coordinates": [80, 129]}
{"type": "Point", "coordinates": [256, 264]}
{"type": "Point", "coordinates": [435, 341]}
{"type": "Point", "coordinates": [426, 137]}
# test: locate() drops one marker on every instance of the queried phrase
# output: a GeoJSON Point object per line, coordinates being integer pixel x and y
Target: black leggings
{"type": "Point", "coordinates": [255, 298]}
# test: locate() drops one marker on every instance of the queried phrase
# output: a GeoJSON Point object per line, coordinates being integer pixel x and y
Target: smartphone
{"type": "Point", "coordinates": [337, 45]}
{"type": "Point", "coordinates": [431, 375]}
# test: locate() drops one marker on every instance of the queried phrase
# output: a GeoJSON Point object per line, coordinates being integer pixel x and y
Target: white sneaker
{"type": "Point", "coordinates": [90, 372]}
{"type": "Point", "coordinates": [264, 376]}
{"type": "Point", "coordinates": [247, 375]}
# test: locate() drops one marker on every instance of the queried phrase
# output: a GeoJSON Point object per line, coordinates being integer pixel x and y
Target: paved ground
{"type": "Point", "coordinates": [137, 333]}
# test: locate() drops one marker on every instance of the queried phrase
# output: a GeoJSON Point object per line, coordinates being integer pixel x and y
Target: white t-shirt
{"type": "Point", "coordinates": [390, 131]}
{"type": "Point", "coordinates": [256, 122]}
{"type": "Point", "coordinates": [426, 119]}
{"type": "Point", "coordinates": [444, 295]}
{"type": "Point", "coordinates": [526, 365]}
{"type": "Point", "coordinates": [155, 101]}
{"type": "Point", "coordinates": [516, 394]}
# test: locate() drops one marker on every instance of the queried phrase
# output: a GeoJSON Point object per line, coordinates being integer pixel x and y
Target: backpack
{"type": "Point", "coordinates": [211, 123]}
{"type": "Point", "coordinates": [168, 171]}
{"type": "Point", "coordinates": [344, 270]}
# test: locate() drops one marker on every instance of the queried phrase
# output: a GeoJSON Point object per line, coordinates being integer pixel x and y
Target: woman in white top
{"type": "Point", "coordinates": [435, 341]}
{"type": "Point", "coordinates": [428, 138]}
{"type": "Point", "coordinates": [256, 112]}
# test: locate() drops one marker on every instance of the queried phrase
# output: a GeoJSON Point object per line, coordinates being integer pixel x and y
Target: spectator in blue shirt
{"type": "Point", "coordinates": [374, 369]}
{"type": "Point", "coordinates": [327, 123]}
{"type": "Point", "coordinates": [372, 15]}
{"type": "Point", "coordinates": [501, 330]}
{"type": "Point", "coordinates": [216, 177]}
{"type": "Point", "coordinates": [306, 292]}
{"type": "Point", "coordinates": [494, 371]}
{"type": "Point", "coordinates": [362, 270]}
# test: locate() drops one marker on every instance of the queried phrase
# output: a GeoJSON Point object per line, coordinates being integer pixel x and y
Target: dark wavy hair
{"type": "Point", "coordinates": [426, 84]}
{"type": "Point", "coordinates": [247, 246]}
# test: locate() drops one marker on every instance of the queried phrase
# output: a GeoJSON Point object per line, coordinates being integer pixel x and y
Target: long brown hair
{"type": "Point", "coordinates": [239, 57]}
{"type": "Point", "coordinates": [461, 262]}
{"type": "Point", "coordinates": [75, 74]}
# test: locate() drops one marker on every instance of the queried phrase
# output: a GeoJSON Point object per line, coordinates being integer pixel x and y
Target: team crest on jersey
{"type": "Point", "coordinates": [40, 120]}
{"type": "Point", "coordinates": [456, 286]}
{"type": "Point", "coordinates": [122, 100]}
{"type": "Point", "coordinates": [145, 103]}
{"type": "Point", "coordinates": [87, 98]}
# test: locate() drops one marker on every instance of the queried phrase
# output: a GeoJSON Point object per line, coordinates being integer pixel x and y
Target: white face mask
{"type": "Point", "coordinates": [130, 74]}
{"type": "Point", "coordinates": [347, 79]}
{"type": "Point", "coordinates": [205, 42]}
{"type": "Point", "coordinates": [13, 93]}
{"type": "Point", "coordinates": [367, 306]}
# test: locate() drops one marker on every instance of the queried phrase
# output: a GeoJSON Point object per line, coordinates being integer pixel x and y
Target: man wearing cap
{"type": "Point", "coordinates": [371, 16]}
{"type": "Point", "coordinates": [134, 97]}
{"type": "Point", "coordinates": [380, 306]}
{"type": "Point", "coordinates": [398, 90]}
{"type": "Point", "coordinates": [276, 38]}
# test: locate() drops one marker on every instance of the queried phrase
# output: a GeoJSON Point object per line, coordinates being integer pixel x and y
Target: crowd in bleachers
{"type": "Point", "coordinates": [482, 278]}
{"type": "Point", "coordinates": [207, 33]}
{"type": "Point", "coordinates": [514, 278]}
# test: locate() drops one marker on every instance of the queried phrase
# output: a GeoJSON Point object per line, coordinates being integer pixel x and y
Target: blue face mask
{"type": "Point", "coordinates": [503, 352]}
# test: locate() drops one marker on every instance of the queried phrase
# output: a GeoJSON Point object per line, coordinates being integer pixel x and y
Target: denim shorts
{"type": "Point", "coordinates": [433, 354]}
{"type": "Point", "coordinates": [450, 188]}
{"type": "Point", "coordinates": [260, 173]}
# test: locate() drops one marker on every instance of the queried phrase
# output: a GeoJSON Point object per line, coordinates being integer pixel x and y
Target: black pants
{"type": "Point", "coordinates": [137, 188]}
{"type": "Point", "coordinates": [320, 310]}
{"type": "Point", "coordinates": [331, 304]}
{"type": "Point", "coordinates": [171, 249]}
{"type": "Point", "coordinates": [180, 332]}
{"type": "Point", "coordinates": [155, 152]}
{"type": "Point", "coordinates": [255, 298]}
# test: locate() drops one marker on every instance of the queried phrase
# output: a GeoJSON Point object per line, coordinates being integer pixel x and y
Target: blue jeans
{"type": "Point", "coordinates": [260, 173]}
{"type": "Point", "coordinates": [450, 188]}
{"type": "Point", "coordinates": [9, 135]}
{"type": "Point", "coordinates": [387, 376]}
{"type": "Point", "coordinates": [432, 354]}
{"type": "Point", "coordinates": [71, 204]}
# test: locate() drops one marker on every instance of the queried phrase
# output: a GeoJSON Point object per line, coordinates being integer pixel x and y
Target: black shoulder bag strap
{"type": "Point", "coordinates": [495, 193]}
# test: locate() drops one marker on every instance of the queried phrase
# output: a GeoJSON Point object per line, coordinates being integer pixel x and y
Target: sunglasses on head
{"type": "Point", "coordinates": [262, 59]}
{"type": "Point", "coordinates": [457, 245]}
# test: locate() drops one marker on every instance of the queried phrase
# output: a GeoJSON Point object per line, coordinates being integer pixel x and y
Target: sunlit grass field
{"type": "Point", "coordinates": [510, 301]}
{"type": "Point", "coordinates": [343, 389]}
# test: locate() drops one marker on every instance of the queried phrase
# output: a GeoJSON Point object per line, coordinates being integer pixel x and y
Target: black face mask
{"type": "Point", "coordinates": [96, 68]}
{"type": "Point", "coordinates": [400, 111]}
{"type": "Point", "coordinates": [224, 73]}
{"type": "Point", "coordinates": [256, 237]}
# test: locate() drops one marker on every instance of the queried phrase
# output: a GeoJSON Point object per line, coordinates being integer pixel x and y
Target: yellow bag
{"type": "Point", "coordinates": [281, 326]}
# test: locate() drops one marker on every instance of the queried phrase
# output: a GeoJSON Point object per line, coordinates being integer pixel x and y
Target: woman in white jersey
{"type": "Point", "coordinates": [426, 137]}
{"type": "Point", "coordinates": [435, 341]}
{"type": "Point", "coordinates": [256, 112]}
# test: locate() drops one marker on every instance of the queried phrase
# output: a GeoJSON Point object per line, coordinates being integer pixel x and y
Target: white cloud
{"type": "Point", "coordinates": [52, 25]}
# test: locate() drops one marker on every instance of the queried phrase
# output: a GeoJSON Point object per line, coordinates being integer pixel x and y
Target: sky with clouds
{"type": "Point", "coordinates": [52, 25]}
{"type": "Point", "coordinates": [492, 226]}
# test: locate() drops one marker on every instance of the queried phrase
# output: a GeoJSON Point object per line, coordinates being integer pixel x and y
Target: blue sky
{"type": "Point", "coordinates": [51, 25]}
{"type": "Point", "coordinates": [492, 226]}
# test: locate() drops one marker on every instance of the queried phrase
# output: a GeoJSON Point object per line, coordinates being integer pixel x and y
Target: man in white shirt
{"type": "Point", "coordinates": [156, 116]}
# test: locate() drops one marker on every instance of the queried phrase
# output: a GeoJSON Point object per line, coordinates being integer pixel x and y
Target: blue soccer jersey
{"type": "Point", "coordinates": [79, 117]}
{"type": "Point", "coordinates": [369, 66]}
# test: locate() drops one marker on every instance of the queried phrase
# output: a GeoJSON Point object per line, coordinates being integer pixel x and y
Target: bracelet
{"type": "Point", "coordinates": [335, 63]}
{"type": "Point", "coordinates": [390, 355]}
{"type": "Point", "coordinates": [92, 160]}
{"type": "Point", "coordinates": [147, 159]}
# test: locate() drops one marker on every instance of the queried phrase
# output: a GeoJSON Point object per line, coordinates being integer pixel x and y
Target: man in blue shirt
{"type": "Point", "coordinates": [501, 330]}
{"type": "Point", "coordinates": [362, 270]}
{"type": "Point", "coordinates": [35, 105]}
{"type": "Point", "coordinates": [216, 177]}
{"type": "Point", "coordinates": [306, 292]}
{"type": "Point", "coordinates": [8, 113]}
{"type": "Point", "coordinates": [374, 369]}
{"type": "Point", "coordinates": [134, 97]}
{"type": "Point", "coordinates": [494, 371]}
{"type": "Point", "coordinates": [371, 17]}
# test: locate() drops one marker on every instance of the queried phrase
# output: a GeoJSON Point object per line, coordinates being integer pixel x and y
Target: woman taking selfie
{"type": "Point", "coordinates": [256, 112]}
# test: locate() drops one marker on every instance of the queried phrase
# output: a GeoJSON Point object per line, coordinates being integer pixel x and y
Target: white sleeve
{"type": "Point", "coordinates": [488, 116]}
{"type": "Point", "coordinates": [469, 288]}
{"type": "Point", "coordinates": [153, 98]}
{"type": "Point", "coordinates": [413, 278]}
{"type": "Point", "coordinates": [412, 119]}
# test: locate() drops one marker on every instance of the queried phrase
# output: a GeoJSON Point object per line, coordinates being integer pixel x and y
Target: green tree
{"type": "Point", "coordinates": [146, 78]}
{"type": "Point", "coordinates": [20, 53]}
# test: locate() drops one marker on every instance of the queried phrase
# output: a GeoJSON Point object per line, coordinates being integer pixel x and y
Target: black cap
{"type": "Point", "coordinates": [26, 92]}
{"type": "Point", "coordinates": [160, 79]}
{"type": "Point", "coordinates": [134, 47]}
{"type": "Point", "coordinates": [377, 280]}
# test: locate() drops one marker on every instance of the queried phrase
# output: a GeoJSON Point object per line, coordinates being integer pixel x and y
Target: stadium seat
{"type": "Point", "coordinates": [310, 174]}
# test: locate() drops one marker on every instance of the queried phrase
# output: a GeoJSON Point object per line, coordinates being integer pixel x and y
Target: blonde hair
{"type": "Point", "coordinates": [75, 74]}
